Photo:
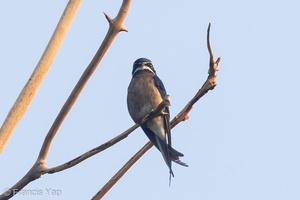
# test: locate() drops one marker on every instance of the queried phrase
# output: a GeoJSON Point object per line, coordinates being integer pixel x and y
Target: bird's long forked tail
{"type": "Point", "coordinates": [169, 155]}
{"type": "Point", "coordinates": [163, 148]}
{"type": "Point", "coordinates": [174, 156]}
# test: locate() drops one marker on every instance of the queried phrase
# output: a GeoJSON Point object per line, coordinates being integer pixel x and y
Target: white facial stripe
{"type": "Point", "coordinates": [144, 67]}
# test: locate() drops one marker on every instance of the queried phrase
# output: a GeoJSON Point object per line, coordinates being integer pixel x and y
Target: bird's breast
{"type": "Point", "coordinates": [143, 96]}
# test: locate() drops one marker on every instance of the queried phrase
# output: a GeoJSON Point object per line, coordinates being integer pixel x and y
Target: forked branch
{"type": "Point", "coordinates": [115, 26]}
{"type": "Point", "coordinates": [39, 167]}
{"type": "Point", "coordinates": [209, 84]}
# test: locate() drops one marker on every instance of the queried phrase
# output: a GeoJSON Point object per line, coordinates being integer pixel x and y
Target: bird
{"type": "Point", "coordinates": [145, 92]}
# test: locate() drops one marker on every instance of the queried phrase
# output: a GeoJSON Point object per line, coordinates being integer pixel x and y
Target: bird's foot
{"type": "Point", "coordinates": [163, 113]}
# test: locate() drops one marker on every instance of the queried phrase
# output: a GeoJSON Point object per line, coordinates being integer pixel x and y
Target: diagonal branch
{"type": "Point", "coordinates": [209, 84]}
{"type": "Point", "coordinates": [92, 152]}
{"type": "Point", "coordinates": [39, 167]}
{"type": "Point", "coordinates": [122, 171]}
{"type": "Point", "coordinates": [115, 26]}
{"type": "Point", "coordinates": [37, 170]}
{"type": "Point", "coordinates": [28, 92]}
{"type": "Point", "coordinates": [88, 154]}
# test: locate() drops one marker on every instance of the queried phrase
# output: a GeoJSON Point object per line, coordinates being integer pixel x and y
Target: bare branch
{"type": "Point", "coordinates": [209, 84]}
{"type": "Point", "coordinates": [71, 163]}
{"type": "Point", "coordinates": [34, 173]}
{"type": "Point", "coordinates": [121, 172]}
{"type": "Point", "coordinates": [39, 168]}
{"type": "Point", "coordinates": [27, 94]}
{"type": "Point", "coordinates": [92, 152]}
{"type": "Point", "coordinates": [115, 26]}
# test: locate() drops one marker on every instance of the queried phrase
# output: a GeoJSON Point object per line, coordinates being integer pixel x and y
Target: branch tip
{"type": "Point", "coordinates": [209, 46]}
{"type": "Point", "coordinates": [208, 34]}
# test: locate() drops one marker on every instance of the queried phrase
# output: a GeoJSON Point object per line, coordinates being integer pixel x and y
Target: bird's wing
{"type": "Point", "coordinates": [161, 88]}
{"type": "Point", "coordinates": [173, 154]}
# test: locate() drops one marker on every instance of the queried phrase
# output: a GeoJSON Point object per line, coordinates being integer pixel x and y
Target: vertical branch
{"type": "Point", "coordinates": [28, 92]}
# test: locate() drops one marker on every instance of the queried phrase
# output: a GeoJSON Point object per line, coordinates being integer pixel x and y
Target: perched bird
{"type": "Point", "coordinates": [145, 92]}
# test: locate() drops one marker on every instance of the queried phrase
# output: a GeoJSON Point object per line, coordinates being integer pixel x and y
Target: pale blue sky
{"type": "Point", "coordinates": [242, 139]}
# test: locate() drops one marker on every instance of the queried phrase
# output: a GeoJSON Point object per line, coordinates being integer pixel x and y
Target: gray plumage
{"type": "Point", "coordinates": [145, 92]}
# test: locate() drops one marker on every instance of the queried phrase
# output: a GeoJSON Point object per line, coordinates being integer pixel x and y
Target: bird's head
{"type": "Point", "coordinates": [143, 64]}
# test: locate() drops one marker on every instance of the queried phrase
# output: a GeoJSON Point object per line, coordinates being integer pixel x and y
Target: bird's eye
{"type": "Point", "coordinates": [149, 65]}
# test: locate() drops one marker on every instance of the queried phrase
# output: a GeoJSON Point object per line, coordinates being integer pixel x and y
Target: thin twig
{"type": "Point", "coordinates": [92, 152]}
{"type": "Point", "coordinates": [28, 92]}
{"type": "Point", "coordinates": [209, 84]}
